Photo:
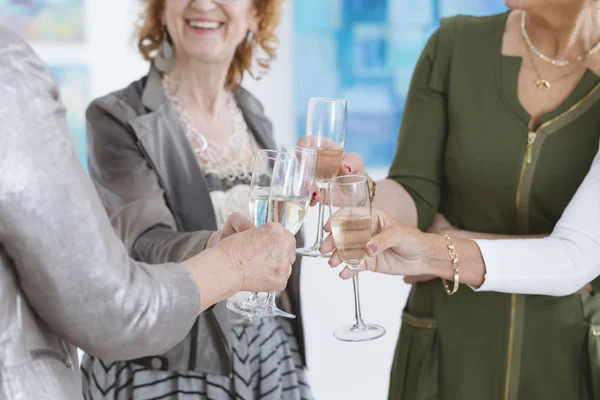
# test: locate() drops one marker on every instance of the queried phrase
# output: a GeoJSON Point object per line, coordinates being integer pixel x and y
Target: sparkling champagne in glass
{"type": "Point", "coordinates": [291, 187]}
{"type": "Point", "coordinates": [326, 133]}
{"type": "Point", "coordinates": [260, 189]}
{"type": "Point", "coordinates": [350, 206]}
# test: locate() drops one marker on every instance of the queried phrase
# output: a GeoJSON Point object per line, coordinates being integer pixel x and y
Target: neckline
{"type": "Point", "coordinates": [508, 68]}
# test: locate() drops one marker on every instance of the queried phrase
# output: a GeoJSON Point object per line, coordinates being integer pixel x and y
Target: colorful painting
{"type": "Point", "coordinates": [45, 20]}
{"type": "Point", "coordinates": [72, 80]}
{"type": "Point", "coordinates": [365, 51]}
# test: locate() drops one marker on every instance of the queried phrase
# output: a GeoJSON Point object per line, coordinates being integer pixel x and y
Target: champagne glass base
{"type": "Point", "coordinates": [355, 333]}
{"type": "Point", "coordinates": [312, 252]}
{"type": "Point", "coordinates": [256, 310]}
{"type": "Point", "coordinates": [268, 311]}
{"type": "Point", "coordinates": [246, 308]}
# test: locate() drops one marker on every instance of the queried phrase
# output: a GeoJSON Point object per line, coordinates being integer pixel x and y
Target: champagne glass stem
{"type": "Point", "coordinates": [270, 300]}
{"type": "Point", "coordinates": [253, 298]}
{"type": "Point", "coordinates": [359, 323]}
{"type": "Point", "coordinates": [319, 241]}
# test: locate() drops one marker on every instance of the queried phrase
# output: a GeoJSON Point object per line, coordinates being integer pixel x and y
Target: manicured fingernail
{"type": "Point", "coordinates": [348, 167]}
{"type": "Point", "coordinates": [373, 248]}
{"type": "Point", "coordinates": [314, 195]}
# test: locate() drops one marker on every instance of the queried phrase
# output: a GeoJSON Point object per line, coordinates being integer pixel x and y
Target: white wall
{"type": "Point", "coordinates": [336, 370]}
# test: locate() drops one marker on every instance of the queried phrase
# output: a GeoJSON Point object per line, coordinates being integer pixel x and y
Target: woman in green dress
{"type": "Point", "coordinates": [501, 125]}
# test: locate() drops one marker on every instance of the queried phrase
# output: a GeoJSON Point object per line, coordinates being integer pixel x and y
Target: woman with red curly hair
{"type": "Point", "coordinates": [171, 155]}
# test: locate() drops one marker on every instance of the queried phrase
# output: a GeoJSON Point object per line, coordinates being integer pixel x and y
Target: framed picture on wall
{"type": "Point", "coordinates": [56, 21]}
{"type": "Point", "coordinates": [365, 51]}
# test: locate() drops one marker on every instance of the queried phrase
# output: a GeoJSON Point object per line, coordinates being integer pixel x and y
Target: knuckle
{"type": "Point", "coordinates": [270, 227]}
{"type": "Point", "coordinates": [396, 229]}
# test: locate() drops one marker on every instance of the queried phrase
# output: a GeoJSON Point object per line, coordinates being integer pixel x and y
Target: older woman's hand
{"type": "Point", "coordinates": [394, 250]}
{"type": "Point", "coordinates": [236, 223]}
{"type": "Point", "coordinates": [262, 257]}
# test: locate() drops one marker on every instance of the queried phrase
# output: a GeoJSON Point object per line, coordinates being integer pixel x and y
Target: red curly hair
{"type": "Point", "coordinates": [150, 34]}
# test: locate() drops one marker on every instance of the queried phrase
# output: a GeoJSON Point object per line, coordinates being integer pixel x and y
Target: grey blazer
{"type": "Point", "coordinates": [66, 279]}
{"type": "Point", "coordinates": [157, 196]}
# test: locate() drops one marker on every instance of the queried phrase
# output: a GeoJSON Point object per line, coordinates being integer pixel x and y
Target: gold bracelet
{"type": "Point", "coordinates": [455, 266]}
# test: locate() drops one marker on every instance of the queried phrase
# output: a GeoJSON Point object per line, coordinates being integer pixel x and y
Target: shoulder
{"type": "Point", "coordinates": [30, 103]}
{"type": "Point", "coordinates": [20, 67]}
{"type": "Point", "coordinates": [122, 105]}
{"type": "Point", "coordinates": [472, 25]}
{"type": "Point", "coordinates": [248, 102]}
{"type": "Point", "coordinates": [467, 29]}
{"type": "Point", "coordinates": [460, 41]}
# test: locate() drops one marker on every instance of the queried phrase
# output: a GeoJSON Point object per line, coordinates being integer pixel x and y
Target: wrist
{"type": "Point", "coordinates": [216, 276]}
{"type": "Point", "coordinates": [233, 270]}
{"type": "Point", "coordinates": [438, 261]}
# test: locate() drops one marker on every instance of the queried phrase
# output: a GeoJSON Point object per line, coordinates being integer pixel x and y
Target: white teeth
{"type": "Point", "coordinates": [204, 24]}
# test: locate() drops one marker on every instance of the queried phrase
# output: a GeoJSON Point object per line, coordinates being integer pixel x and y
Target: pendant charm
{"type": "Point", "coordinates": [542, 84]}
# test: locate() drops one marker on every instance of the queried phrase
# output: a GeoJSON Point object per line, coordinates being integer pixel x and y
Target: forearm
{"type": "Point", "coordinates": [215, 275]}
{"type": "Point", "coordinates": [160, 245]}
{"type": "Point", "coordinates": [393, 199]}
{"type": "Point", "coordinates": [554, 266]}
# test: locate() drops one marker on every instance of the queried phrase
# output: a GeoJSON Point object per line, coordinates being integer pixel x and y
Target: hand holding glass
{"type": "Point", "coordinates": [291, 188]}
{"type": "Point", "coordinates": [326, 133]}
{"type": "Point", "coordinates": [350, 206]}
{"type": "Point", "coordinates": [260, 189]}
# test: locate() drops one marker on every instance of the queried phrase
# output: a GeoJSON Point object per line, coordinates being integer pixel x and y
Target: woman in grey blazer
{"type": "Point", "coordinates": [172, 155]}
{"type": "Point", "coordinates": [66, 280]}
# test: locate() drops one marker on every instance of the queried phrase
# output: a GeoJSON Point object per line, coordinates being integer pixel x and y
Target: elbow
{"type": "Point", "coordinates": [130, 339]}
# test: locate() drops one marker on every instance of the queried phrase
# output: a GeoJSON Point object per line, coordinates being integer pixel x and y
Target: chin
{"type": "Point", "coordinates": [522, 4]}
{"type": "Point", "coordinates": [204, 53]}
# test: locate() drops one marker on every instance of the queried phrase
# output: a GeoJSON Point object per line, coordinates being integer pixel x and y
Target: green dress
{"type": "Point", "coordinates": [464, 149]}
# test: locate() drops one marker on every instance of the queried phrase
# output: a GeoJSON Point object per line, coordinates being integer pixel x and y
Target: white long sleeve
{"type": "Point", "coordinates": [557, 265]}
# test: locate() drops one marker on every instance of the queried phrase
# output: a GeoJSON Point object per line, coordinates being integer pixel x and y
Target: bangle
{"type": "Point", "coordinates": [455, 266]}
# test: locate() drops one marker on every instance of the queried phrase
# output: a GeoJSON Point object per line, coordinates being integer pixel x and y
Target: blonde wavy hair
{"type": "Point", "coordinates": [150, 33]}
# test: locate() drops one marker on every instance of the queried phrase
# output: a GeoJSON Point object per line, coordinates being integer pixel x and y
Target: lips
{"type": "Point", "coordinates": [206, 25]}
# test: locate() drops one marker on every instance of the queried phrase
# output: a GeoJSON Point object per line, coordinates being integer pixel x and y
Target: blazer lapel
{"type": "Point", "coordinates": [168, 151]}
{"type": "Point", "coordinates": [255, 118]}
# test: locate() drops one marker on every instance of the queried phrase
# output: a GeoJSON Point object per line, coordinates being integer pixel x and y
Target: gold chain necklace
{"type": "Point", "coordinates": [542, 83]}
{"type": "Point", "coordinates": [558, 63]}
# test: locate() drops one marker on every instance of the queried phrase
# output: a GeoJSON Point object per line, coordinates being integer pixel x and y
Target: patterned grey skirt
{"type": "Point", "coordinates": [266, 365]}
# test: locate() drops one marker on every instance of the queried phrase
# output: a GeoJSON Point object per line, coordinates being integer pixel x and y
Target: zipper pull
{"type": "Point", "coordinates": [530, 141]}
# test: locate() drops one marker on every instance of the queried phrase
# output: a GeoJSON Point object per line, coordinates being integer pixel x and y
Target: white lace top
{"type": "Point", "coordinates": [228, 169]}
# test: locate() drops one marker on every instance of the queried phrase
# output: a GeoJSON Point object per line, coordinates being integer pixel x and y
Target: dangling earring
{"type": "Point", "coordinates": [250, 38]}
{"type": "Point", "coordinates": [165, 59]}
{"type": "Point", "coordinates": [254, 69]}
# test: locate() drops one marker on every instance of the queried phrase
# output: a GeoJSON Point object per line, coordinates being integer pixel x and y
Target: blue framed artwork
{"type": "Point", "coordinates": [45, 20]}
{"type": "Point", "coordinates": [365, 51]}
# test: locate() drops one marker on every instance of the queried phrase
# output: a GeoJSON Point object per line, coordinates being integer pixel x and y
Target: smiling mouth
{"type": "Point", "coordinates": [206, 25]}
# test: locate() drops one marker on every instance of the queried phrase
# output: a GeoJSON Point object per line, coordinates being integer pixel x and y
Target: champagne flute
{"type": "Point", "coordinates": [260, 188]}
{"type": "Point", "coordinates": [325, 132]}
{"type": "Point", "coordinates": [350, 207]}
{"type": "Point", "coordinates": [291, 187]}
